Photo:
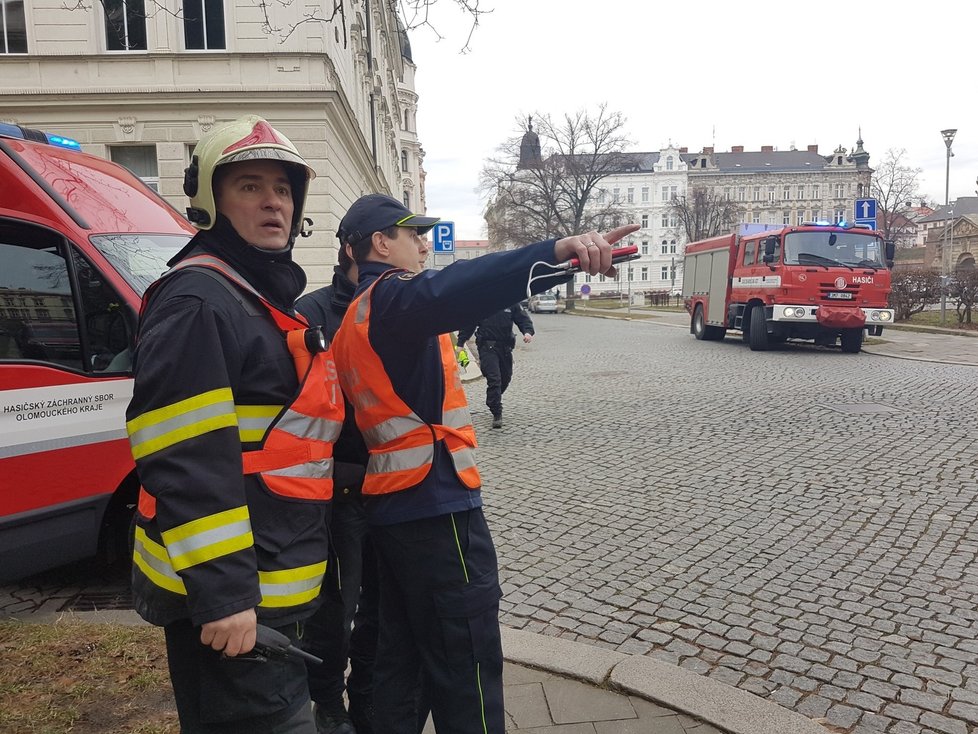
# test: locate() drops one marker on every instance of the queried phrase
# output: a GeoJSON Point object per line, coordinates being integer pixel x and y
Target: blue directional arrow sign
{"type": "Point", "coordinates": [443, 236]}
{"type": "Point", "coordinates": [866, 209]}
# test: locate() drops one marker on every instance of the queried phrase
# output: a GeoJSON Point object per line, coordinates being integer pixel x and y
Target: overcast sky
{"type": "Point", "coordinates": [701, 73]}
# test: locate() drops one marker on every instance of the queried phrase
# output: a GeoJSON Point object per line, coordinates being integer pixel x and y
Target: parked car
{"type": "Point", "coordinates": [543, 303]}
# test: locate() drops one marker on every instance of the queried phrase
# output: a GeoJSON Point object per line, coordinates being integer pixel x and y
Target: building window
{"type": "Point", "coordinates": [665, 220]}
{"type": "Point", "coordinates": [800, 217]}
{"type": "Point", "coordinates": [406, 198]}
{"type": "Point", "coordinates": [615, 196]}
{"type": "Point", "coordinates": [786, 218]}
{"type": "Point", "coordinates": [840, 215]}
{"type": "Point", "coordinates": [757, 193]}
{"type": "Point", "coordinates": [770, 193]}
{"type": "Point", "coordinates": [203, 24]}
{"type": "Point", "coordinates": [786, 194]}
{"type": "Point", "coordinates": [665, 272]}
{"type": "Point", "coordinates": [630, 274]}
{"type": "Point", "coordinates": [672, 192]}
{"type": "Point", "coordinates": [815, 194]}
{"type": "Point", "coordinates": [645, 194]}
{"type": "Point", "coordinates": [645, 221]}
{"type": "Point", "coordinates": [13, 27]}
{"type": "Point", "coordinates": [669, 163]}
{"type": "Point", "coordinates": [801, 192]}
{"type": "Point", "coordinates": [840, 191]}
{"type": "Point", "coordinates": [631, 195]}
{"type": "Point", "coordinates": [125, 25]}
{"type": "Point", "coordinates": [741, 193]}
{"type": "Point", "coordinates": [141, 160]}
{"type": "Point", "coordinates": [726, 193]}
{"type": "Point", "coordinates": [404, 160]}
{"type": "Point", "coordinates": [600, 196]}
{"type": "Point", "coordinates": [645, 247]}
{"type": "Point", "coordinates": [665, 193]}
{"type": "Point", "coordinates": [756, 218]}
{"type": "Point", "coordinates": [645, 273]}
{"type": "Point", "coordinates": [673, 222]}
{"type": "Point", "coordinates": [665, 247]}
{"type": "Point", "coordinates": [672, 247]}
{"type": "Point", "coordinates": [816, 215]}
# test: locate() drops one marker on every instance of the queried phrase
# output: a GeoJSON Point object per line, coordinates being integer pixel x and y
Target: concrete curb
{"type": "Point", "coordinates": [718, 704]}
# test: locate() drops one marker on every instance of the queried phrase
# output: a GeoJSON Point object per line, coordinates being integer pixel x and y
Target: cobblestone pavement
{"type": "Point", "coordinates": [798, 523]}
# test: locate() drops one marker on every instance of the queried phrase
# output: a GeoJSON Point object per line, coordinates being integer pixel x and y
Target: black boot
{"type": "Point", "coordinates": [333, 722]}
{"type": "Point", "coordinates": [497, 420]}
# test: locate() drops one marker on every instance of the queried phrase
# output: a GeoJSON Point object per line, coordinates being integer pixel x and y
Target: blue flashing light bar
{"type": "Point", "coordinates": [38, 136]}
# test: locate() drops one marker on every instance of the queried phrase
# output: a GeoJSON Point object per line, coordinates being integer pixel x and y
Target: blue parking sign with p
{"type": "Point", "coordinates": [443, 236]}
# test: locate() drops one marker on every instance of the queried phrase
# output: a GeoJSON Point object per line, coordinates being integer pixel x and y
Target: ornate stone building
{"type": "Point", "coordinates": [769, 186]}
{"type": "Point", "coordinates": [139, 81]}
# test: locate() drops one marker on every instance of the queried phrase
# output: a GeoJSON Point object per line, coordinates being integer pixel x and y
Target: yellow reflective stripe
{"type": "Point", "coordinates": [151, 558]}
{"type": "Point", "coordinates": [254, 420]}
{"type": "Point", "coordinates": [292, 586]}
{"type": "Point", "coordinates": [189, 418]}
{"type": "Point", "coordinates": [210, 537]}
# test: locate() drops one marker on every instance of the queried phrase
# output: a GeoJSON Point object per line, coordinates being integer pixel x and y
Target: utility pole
{"type": "Point", "coordinates": [948, 136]}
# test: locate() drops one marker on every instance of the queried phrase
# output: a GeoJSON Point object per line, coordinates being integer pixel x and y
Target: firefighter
{"type": "Point", "coordinates": [439, 581]}
{"type": "Point", "coordinates": [234, 413]}
{"type": "Point", "coordinates": [329, 632]}
{"type": "Point", "coordinates": [495, 341]}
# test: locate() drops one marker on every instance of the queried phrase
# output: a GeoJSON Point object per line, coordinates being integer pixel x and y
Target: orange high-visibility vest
{"type": "Point", "coordinates": [402, 446]}
{"type": "Point", "coordinates": [296, 457]}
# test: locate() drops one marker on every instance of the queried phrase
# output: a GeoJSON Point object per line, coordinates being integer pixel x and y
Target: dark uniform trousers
{"type": "Point", "coordinates": [349, 593]}
{"type": "Point", "coordinates": [439, 616]}
{"type": "Point", "coordinates": [216, 694]}
{"type": "Point", "coordinates": [496, 363]}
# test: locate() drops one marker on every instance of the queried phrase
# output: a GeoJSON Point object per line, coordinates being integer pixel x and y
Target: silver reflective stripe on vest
{"type": "Point", "coordinates": [305, 426]}
{"type": "Point", "coordinates": [463, 459]}
{"type": "Point", "coordinates": [214, 410]}
{"type": "Point", "coordinates": [363, 305]}
{"type": "Point", "coordinates": [319, 469]}
{"type": "Point", "coordinates": [198, 541]}
{"type": "Point", "coordinates": [391, 429]}
{"type": "Point", "coordinates": [457, 418]}
{"type": "Point", "coordinates": [403, 460]}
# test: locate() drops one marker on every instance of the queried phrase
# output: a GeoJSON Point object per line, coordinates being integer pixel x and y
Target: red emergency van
{"type": "Point", "coordinates": [80, 239]}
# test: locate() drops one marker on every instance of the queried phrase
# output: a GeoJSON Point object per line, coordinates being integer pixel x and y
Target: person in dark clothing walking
{"type": "Point", "coordinates": [495, 341]}
{"type": "Point", "coordinates": [350, 589]}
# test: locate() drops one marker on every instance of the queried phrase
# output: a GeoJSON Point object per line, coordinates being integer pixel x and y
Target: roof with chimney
{"type": "Point", "coordinates": [961, 207]}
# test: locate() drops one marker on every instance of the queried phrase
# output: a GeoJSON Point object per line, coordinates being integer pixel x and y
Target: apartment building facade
{"type": "Point", "coordinates": [139, 81]}
{"type": "Point", "coordinates": [769, 186]}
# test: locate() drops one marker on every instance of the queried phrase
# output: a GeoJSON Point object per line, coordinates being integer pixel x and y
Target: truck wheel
{"type": "Point", "coordinates": [757, 336]}
{"type": "Point", "coordinates": [699, 322]}
{"type": "Point", "coordinates": [852, 340]}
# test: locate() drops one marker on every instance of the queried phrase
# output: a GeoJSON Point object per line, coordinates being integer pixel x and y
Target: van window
{"type": "Point", "coordinates": [37, 312]}
{"type": "Point", "coordinates": [105, 320]}
{"type": "Point", "coordinates": [39, 307]}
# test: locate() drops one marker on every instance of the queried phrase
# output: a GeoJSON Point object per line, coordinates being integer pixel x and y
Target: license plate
{"type": "Point", "coordinates": [841, 296]}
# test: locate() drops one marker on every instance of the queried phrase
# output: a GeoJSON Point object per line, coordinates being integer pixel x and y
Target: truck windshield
{"type": "Point", "coordinates": [849, 249]}
{"type": "Point", "coordinates": [139, 258]}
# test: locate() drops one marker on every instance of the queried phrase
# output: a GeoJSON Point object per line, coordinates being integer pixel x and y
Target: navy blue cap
{"type": "Point", "coordinates": [376, 212]}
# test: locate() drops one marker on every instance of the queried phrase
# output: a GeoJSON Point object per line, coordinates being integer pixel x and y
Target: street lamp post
{"type": "Point", "coordinates": [948, 136]}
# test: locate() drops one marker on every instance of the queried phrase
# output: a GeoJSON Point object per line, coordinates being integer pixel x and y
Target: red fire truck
{"type": "Point", "coordinates": [80, 239]}
{"type": "Point", "coordinates": [827, 283]}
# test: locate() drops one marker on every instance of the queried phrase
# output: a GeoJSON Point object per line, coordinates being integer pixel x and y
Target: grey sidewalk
{"type": "Point", "coordinates": [555, 686]}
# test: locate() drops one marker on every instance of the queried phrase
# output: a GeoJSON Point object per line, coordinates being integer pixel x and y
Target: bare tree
{"type": "Point", "coordinates": [895, 188]}
{"type": "Point", "coordinates": [556, 195]}
{"type": "Point", "coordinates": [703, 214]}
{"type": "Point", "coordinates": [913, 290]}
{"type": "Point", "coordinates": [964, 290]}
